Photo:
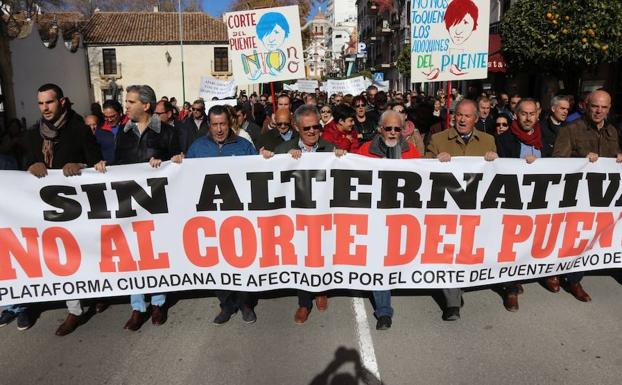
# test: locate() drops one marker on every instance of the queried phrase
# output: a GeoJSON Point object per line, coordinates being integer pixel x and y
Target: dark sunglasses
{"type": "Point", "coordinates": [317, 127]}
{"type": "Point", "coordinates": [325, 111]}
{"type": "Point", "coordinates": [389, 129]}
{"type": "Point", "coordinates": [502, 124]}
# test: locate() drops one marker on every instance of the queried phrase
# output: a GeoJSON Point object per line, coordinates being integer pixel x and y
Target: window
{"type": "Point", "coordinates": [221, 59]}
{"type": "Point", "coordinates": [110, 61]}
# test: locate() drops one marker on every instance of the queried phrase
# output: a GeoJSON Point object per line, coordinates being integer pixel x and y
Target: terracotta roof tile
{"type": "Point", "coordinates": [152, 28]}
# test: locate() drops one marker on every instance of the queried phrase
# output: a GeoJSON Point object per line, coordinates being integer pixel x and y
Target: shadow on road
{"type": "Point", "coordinates": [332, 376]}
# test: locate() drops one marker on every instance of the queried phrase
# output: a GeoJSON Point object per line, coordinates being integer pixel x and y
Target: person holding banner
{"type": "Point", "coordinates": [590, 137]}
{"type": "Point", "coordinates": [389, 144]}
{"type": "Point", "coordinates": [61, 141]}
{"type": "Point", "coordinates": [460, 140]}
{"type": "Point", "coordinates": [222, 141]}
{"type": "Point", "coordinates": [145, 138]}
{"type": "Point", "coordinates": [523, 140]}
{"type": "Point", "coordinates": [308, 126]}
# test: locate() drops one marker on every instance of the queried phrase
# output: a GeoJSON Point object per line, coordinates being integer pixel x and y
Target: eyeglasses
{"type": "Point", "coordinates": [389, 129]}
{"type": "Point", "coordinates": [316, 127]}
{"type": "Point", "coordinates": [502, 124]}
{"type": "Point", "coordinates": [325, 111]}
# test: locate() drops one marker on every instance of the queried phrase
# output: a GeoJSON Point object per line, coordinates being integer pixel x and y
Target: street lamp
{"type": "Point", "coordinates": [181, 44]}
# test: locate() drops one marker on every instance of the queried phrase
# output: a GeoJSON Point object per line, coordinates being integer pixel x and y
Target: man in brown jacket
{"type": "Point", "coordinates": [589, 137]}
{"type": "Point", "coordinates": [461, 140]}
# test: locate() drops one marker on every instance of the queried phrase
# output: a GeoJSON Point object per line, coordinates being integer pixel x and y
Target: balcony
{"type": "Point", "coordinates": [221, 72]}
{"type": "Point", "coordinates": [110, 75]}
{"type": "Point", "coordinates": [384, 29]}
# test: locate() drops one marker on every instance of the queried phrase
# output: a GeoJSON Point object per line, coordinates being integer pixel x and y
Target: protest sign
{"type": "Point", "coordinates": [353, 86]}
{"type": "Point", "coordinates": [307, 85]}
{"type": "Point", "coordinates": [265, 45]}
{"type": "Point", "coordinates": [211, 87]}
{"type": "Point", "coordinates": [449, 40]}
{"type": "Point", "coordinates": [317, 223]}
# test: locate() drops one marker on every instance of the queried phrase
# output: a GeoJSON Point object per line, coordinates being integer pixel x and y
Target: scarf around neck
{"type": "Point", "coordinates": [49, 132]}
{"type": "Point", "coordinates": [534, 140]}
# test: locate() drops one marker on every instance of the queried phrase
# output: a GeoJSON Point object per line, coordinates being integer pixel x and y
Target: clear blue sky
{"type": "Point", "coordinates": [217, 7]}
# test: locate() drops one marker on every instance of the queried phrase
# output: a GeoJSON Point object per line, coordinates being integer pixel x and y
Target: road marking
{"type": "Point", "coordinates": [366, 344]}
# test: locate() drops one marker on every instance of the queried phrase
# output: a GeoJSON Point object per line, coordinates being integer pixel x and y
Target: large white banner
{"type": "Point", "coordinates": [449, 40]}
{"type": "Point", "coordinates": [318, 223]}
{"type": "Point", "coordinates": [220, 89]}
{"type": "Point", "coordinates": [265, 45]}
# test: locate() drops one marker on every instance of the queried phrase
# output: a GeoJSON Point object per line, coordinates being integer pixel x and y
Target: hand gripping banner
{"type": "Point", "coordinates": [318, 223]}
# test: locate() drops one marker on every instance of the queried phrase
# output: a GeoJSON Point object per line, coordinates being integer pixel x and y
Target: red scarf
{"type": "Point", "coordinates": [535, 139]}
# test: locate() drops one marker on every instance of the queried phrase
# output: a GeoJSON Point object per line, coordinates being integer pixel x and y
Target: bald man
{"type": "Point", "coordinates": [280, 134]}
{"type": "Point", "coordinates": [590, 137]}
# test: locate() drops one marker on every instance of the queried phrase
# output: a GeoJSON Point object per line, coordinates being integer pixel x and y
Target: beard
{"type": "Point", "coordinates": [391, 142]}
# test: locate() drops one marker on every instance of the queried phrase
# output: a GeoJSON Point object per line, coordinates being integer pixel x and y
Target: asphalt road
{"type": "Point", "coordinates": [552, 339]}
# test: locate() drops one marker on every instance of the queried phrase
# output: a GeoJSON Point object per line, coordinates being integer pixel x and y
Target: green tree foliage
{"type": "Point", "coordinates": [562, 35]}
{"type": "Point", "coordinates": [403, 61]}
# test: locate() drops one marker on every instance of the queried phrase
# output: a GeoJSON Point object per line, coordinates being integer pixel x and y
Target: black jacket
{"type": "Point", "coordinates": [272, 138]}
{"type": "Point", "coordinates": [549, 133]}
{"type": "Point", "coordinates": [76, 144]}
{"type": "Point", "coordinates": [292, 144]}
{"type": "Point", "coordinates": [158, 141]}
{"type": "Point", "coordinates": [187, 132]}
{"type": "Point", "coordinates": [508, 146]}
{"type": "Point", "coordinates": [487, 125]}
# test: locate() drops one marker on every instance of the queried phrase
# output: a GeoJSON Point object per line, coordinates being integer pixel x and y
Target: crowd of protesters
{"type": "Point", "coordinates": [376, 124]}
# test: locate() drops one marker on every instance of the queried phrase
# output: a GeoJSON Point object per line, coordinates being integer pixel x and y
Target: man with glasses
{"type": "Point", "coordinates": [460, 140]}
{"type": "Point", "coordinates": [308, 140]}
{"type": "Point", "coordinates": [114, 120]}
{"type": "Point", "coordinates": [195, 126]}
{"type": "Point", "coordinates": [281, 133]}
{"type": "Point", "coordinates": [388, 144]}
{"type": "Point", "coordinates": [164, 110]}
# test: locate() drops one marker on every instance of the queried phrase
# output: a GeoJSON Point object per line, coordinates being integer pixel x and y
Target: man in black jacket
{"type": "Point", "coordinates": [195, 126]}
{"type": "Point", "coordinates": [145, 138]}
{"type": "Point", "coordinates": [61, 140]}
{"type": "Point", "coordinates": [560, 106]}
{"type": "Point", "coordinates": [486, 120]}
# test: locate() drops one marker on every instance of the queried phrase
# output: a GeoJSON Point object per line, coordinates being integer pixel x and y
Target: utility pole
{"type": "Point", "coordinates": [181, 43]}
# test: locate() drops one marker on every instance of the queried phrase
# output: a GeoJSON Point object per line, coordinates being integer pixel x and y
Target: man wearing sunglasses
{"type": "Point", "coordinates": [391, 145]}
{"type": "Point", "coordinates": [460, 140]}
{"type": "Point", "coordinates": [282, 132]}
{"type": "Point", "coordinates": [194, 127]}
{"type": "Point", "coordinates": [308, 127]}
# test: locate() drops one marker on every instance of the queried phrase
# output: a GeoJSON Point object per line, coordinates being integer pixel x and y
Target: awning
{"type": "Point", "coordinates": [496, 61]}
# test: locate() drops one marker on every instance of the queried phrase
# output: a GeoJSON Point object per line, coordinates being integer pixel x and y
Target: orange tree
{"type": "Point", "coordinates": [562, 36]}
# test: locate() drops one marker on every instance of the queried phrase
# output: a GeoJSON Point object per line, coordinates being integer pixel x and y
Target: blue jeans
{"type": "Point", "coordinates": [382, 299]}
{"type": "Point", "coordinates": [138, 301]}
{"type": "Point", "coordinates": [15, 309]}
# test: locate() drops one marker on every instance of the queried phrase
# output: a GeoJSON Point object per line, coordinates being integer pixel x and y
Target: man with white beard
{"type": "Point", "coordinates": [389, 144]}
